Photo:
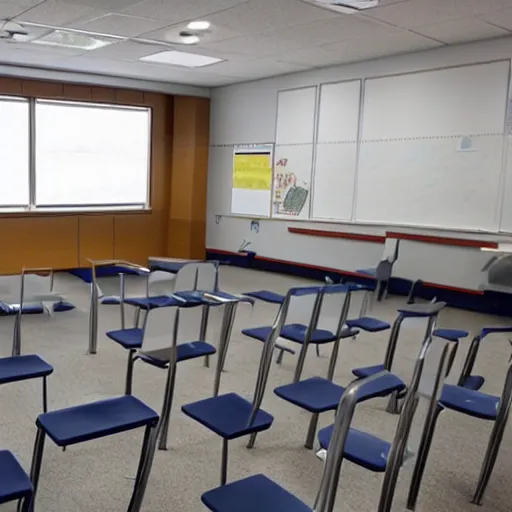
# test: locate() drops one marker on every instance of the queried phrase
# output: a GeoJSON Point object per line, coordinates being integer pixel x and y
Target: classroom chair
{"type": "Point", "coordinates": [15, 484]}
{"type": "Point", "coordinates": [87, 422]}
{"type": "Point", "coordinates": [477, 405]}
{"type": "Point", "coordinates": [31, 292]}
{"type": "Point", "coordinates": [475, 382]}
{"type": "Point", "coordinates": [231, 416]}
{"type": "Point", "coordinates": [109, 290]}
{"type": "Point", "coordinates": [257, 493]}
{"type": "Point", "coordinates": [380, 456]}
{"type": "Point", "coordinates": [316, 394]}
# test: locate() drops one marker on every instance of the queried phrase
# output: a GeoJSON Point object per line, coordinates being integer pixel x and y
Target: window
{"type": "Point", "coordinates": [14, 152]}
{"type": "Point", "coordinates": [57, 154]}
{"type": "Point", "coordinates": [91, 155]}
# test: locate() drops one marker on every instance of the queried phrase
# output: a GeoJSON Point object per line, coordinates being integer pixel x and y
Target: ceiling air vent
{"type": "Point", "coordinates": [345, 6]}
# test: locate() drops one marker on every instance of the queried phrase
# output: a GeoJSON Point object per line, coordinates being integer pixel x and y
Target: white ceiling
{"type": "Point", "coordinates": [256, 38]}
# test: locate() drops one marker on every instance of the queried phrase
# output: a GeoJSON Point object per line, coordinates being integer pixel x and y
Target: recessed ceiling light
{"type": "Point", "coordinates": [346, 6]}
{"type": "Point", "coordinates": [72, 40]}
{"type": "Point", "coordinates": [199, 25]}
{"type": "Point", "coordinates": [188, 60]}
{"type": "Point", "coordinates": [189, 39]}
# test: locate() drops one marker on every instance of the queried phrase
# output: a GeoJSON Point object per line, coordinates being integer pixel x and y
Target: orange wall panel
{"type": "Point", "coordinates": [95, 238]}
{"type": "Point", "coordinates": [36, 89]}
{"type": "Point", "coordinates": [38, 242]}
{"type": "Point", "coordinates": [103, 94]}
{"type": "Point", "coordinates": [77, 92]}
{"type": "Point", "coordinates": [11, 86]}
{"type": "Point", "coordinates": [128, 97]}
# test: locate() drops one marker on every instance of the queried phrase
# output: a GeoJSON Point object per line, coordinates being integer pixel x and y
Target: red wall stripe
{"type": "Point", "coordinates": [338, 234]}
{"type": "Point", "coordinates": [441, 240]}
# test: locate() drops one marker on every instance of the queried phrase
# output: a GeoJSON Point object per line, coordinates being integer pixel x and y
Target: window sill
{"type": "Point", "coordinates": [68, 211]}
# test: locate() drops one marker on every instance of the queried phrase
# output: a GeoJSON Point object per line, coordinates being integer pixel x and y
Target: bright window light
{"type": "Point", "coordinates": [72, 40]}
{"type": "Point", "coordinates": [14, 151]}
{"type": "Point", "coordinates": [189, 60]}
{"type": "Point", "coordinates": [190, 39]}
{"type": "Point", "coordinates": [91, 155]}
{"type": "Point", "coordinates": [199, 25]}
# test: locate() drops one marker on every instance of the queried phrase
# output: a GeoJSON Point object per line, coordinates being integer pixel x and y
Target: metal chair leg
{"type": "Point", "coordinates": [136, 318]}
{"type": "Point", "coordinates": [252, 441]}
{"type": "Point", "coordinates": [163, 426]}
{"type": "Point", "coordinates": [205, 314]}
{"type": "Point", "coordinates": [224, 463]}
{"type": "Point", "coordinates": [421, 460]}
{"type": "Point", "coordinates": [35, 469]}
{"type": "Point", "coordinates": [491, 455]}
{"type": "Point", "coordinates": [394, 405]}
{"type": "Point", "coordinates": [310, 437]}
{"type": "Point", "coordinates": [93, 320]}
{"type": "Point", "coordinates": [45, 395]}
{"type": "Point", "coordinates": [24, 504]}
{"type": "Point", "coordinates": [145, 464]}
{"type": "Point", "coordinates": [279, 359]}
{"type": "Point", "coordinates": [129, 373]}
{"type": "Point", "coordinates": [317, 350]}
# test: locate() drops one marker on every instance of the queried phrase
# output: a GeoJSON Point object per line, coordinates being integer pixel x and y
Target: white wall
{"type": "Point", "coordinates": [246, 113]}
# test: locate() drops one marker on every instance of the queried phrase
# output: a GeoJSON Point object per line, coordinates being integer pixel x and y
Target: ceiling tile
{"type": "Point", "coordinates": [257, 45]}
{"type": "Point", "coordinates": [209, 52]}
{"type": "Point", "coordinates": [57, 13]}
{"type": "Point", "coordinates": [254, 69]}
{"type": "Point", "coordinates": [12, 8]}
{"type": "Point", "coordinates": [502, 18]}
{"type": "Point", "coordinates": [126, 50]}
{"type": "Point", "coordinates": [314, 57]}
{"type": "Point", "coordinates": [332, 30]}
{"type": "Point", "coordinates": [179, 10]}
{"type": "Point", "coordinates": [461, 31]}
{"type": "Point", "coordinates": [415, 13]}
{"type": "Point", "coordinates": [171, 34]}
{"type": "Point", "coordinates": [365, 49]}
{"type": "Point", "coordinates": [119, 25]}
{"type": "Point", "coordinates": [260, 16]}
{"type": "Point", "coordinates": [106, 5]}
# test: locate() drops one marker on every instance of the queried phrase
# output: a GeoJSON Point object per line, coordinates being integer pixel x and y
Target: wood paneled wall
{"type": "Point", "coordinates": [67, 240]}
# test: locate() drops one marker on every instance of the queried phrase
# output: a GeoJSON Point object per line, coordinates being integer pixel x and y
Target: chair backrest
{"type": "Point", "coordinates": [343, 290]}
{"type": "Point", "coordinates": [203, 276]}
{"type": "Point", "coordinates": [391, 250]}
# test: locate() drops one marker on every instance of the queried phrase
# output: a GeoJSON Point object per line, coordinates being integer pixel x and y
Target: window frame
{"type": "Point", "coordinates": [32, 207]}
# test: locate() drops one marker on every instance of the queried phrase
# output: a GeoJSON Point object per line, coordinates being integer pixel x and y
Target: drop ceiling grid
{"type": "Point", "coordinates": [256, 38]}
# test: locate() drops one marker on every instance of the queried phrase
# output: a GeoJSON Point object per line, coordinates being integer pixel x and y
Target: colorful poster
{"type": "Point", "coordinates": [252, 179]}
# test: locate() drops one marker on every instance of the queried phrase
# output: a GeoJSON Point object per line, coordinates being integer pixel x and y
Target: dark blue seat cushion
{"type": "Point", "coordinates": [186, 351]}
{"type": "Point", "coordinates": [427, 310]}
{"type": "Point", "coordinates": [362, 373]}
{"type": "Point", "coordinates": [467, 401]}
{"type": "Point", "coordinates": [361, 448]}
{"type": "Point", "coordinates": [474, 382]}
{"type": "Point", "coordinates": [63, 306]}
{"type": "Point", "coordinates": [228, 416]}
{"type": "Point", "coordinates": [297, 333]}
{"type": "Point", "coordinates": [266, 296]}
{"type": "Point", "coordinates": [254, 494]}
{"type": "Point", "coordinates": [451, 334]}
{"type": "Point", "coordinates": [14, 482]}
{"type": "Point", "coordinates": [95, 420]}
{"type": "Point", "coordinates": [28, 309]}
{"type": "Point", "coordinates": [18, 368]}
{"type": "Point", "coordinates": [368, 324]}
{"type": "Point", "coordinates": [128, 338]}
{"type": "Point", "coordinates": [160, 301]}
{"type": "Point", "coordinates": [110, 301]}
{"type": "Point", "coordinates": [316, 395]}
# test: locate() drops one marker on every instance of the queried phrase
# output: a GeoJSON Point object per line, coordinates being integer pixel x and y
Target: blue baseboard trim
{"type": "Point", "coordinates": [493, 303]}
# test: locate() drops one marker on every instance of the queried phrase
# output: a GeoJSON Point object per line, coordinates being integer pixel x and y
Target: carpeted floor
{"type": "Point", "coordinates": [96, 476]}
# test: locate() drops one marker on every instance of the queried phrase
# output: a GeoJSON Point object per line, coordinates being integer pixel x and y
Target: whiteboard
{"type": "Point", "coordinates": [336, 150]}
{"type": "Point", "coordinates": [293, 156]}
{"type": "Point", "coordinates": [432, 146]}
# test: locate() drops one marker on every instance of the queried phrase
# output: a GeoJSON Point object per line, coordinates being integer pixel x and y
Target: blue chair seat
{"type": "Point", "coordinates": [111, 301]}
{"type": "Point", "coordinates": [228, 416]}
{"type": "Point", "coordinates": [317, 395]}
{"type": "Point", "coordinates": [361, 448]}
{"type": "Point", "coordinates": [367, 371]}
{"type": "Point", "coordinates": [18, 368]}
{"type": "Point", "coordinates": [128, 338]}
{"type": "Point", "coordinates": [422, 310]}
{"type": "Point", "coordinates": [368, 324]}
{"type": "Point", "coordinates": [28, 309]}
{"type": "Point", "coordinates": [451, 334]}
{"type": "Point", "coordinates": [266, 296]}
{"type": "Point", "coordinates": [254, 494]}
{"type": "Point", "coordinates": [14, 482]}
{"type": "Point", "coordinates": [95, 420]}
{"type": "Point", "coordinates": [474, 382]}
{"type": "Point", "coordinates": [186, 351]}
{"type": "Point", "coordinates": [159, 301]}
{"type": "Point", "coordinates": [467, 401]}
{"type": "Point", "coordinates": [297, 333]}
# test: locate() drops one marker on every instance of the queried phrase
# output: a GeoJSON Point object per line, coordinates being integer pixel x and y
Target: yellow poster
{"type": "Point", "coordinates": [252, 170]}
